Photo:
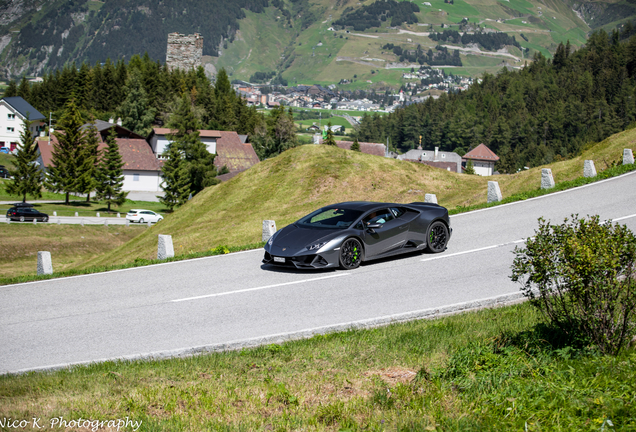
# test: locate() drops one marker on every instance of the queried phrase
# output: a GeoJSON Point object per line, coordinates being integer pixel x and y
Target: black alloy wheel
{"type": "Point", "coordinates": [437, 237]}
{"type": "Point", "coordinates": [350, 254]}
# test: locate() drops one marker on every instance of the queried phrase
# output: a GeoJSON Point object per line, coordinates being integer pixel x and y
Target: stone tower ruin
{"type": "Point", "coordinates": [184, 51]}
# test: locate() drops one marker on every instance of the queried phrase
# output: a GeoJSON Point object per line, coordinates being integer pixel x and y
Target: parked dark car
{"type": "Point", "coordinates": [25, 212]}
{"type": "Point", "coordinates": [4, 173]}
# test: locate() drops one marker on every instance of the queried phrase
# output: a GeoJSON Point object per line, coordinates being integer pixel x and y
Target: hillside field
{"type": "Point", "coordinates": [305, 178]}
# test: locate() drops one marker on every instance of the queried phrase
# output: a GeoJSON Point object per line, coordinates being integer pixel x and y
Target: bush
{"type": "Point", "coordinates": [581, 275]}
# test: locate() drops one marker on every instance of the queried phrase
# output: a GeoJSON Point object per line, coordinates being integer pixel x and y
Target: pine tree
{"type": "Point", "coordinates": [27, 178]}
{"type": "Point", "coordinates": [11, 90]}
{"type": "Point", "coordinates": [110, 174]}
{"type": "Point", "coordinates": [198, 161]}
{"type": "Point", "coordinates": [135, 111]}
{"type": "Point", "coordinates": [176, 179]}
{"type": "Point", "coordinates": [24, 89]}
{"type": "Point", "coordinates": [330, 139]}
{"type": "Point", "coordinates": [356, 145]}
{"type": "Point", "coordinates": [65, 162]}
{"type": "Point", "coordinates": [88, 161]}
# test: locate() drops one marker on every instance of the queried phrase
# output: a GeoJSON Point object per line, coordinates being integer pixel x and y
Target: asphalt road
{"type": "Point", "coordinates": [232, 300]}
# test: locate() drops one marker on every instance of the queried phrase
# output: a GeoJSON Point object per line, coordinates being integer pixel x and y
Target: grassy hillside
{"type": "Point", "coordinates": [319, 55]}
{"type": "Point", "coordinates": [300, 180]}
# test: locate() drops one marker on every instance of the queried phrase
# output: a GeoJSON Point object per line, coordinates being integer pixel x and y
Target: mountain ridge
{"type": "Point", "coordinates": [297, 39]}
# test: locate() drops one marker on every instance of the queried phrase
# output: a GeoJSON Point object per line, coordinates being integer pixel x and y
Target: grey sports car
{"type": "Point", "coordinates": [346, 234]}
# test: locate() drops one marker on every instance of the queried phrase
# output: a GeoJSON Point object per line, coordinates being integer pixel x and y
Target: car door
{"type": "Point", "coordinates": [383, 232]}
{"type": "Point", "coordinates": [29, 214]}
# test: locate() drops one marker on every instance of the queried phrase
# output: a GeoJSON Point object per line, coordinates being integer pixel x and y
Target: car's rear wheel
{"type": "Point", "coordinates": [437, 237]}
{"type": "Point", "coordinates": [141, 220]}
{"type": "Point", "coordinates": [350, 254]}
{"type": "Point", "coordinates": [21, 218]}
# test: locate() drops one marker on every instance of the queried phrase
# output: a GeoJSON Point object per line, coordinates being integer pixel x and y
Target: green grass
{"type": "Point", "coordinates": [334, 121]}
{"type": "Point", "coordinates": [7, 160]}
{"type": "Point", "coordinates": [70, 245]}
{"type": "Point", "coordinates": [490, 370]}
{"type": "Point", "coordinates": [14, 269]}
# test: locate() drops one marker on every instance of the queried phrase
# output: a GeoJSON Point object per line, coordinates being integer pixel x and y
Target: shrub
{"type": "Point", "coordinates": [581, 275]}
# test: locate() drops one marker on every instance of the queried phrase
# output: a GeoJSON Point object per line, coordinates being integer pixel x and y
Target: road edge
{"type": "Point", "coordinates": [279, 338]}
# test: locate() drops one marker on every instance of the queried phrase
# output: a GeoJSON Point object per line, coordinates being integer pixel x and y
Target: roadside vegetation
{"type": "Point", "coordinates": [491, 370]}
{"type": "Point", "coordinates": [230, 215]}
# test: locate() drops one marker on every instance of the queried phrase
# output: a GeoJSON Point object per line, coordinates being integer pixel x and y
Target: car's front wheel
{"type": "Point", "coordinates": [350, 254]}
{"type": "Point", "coordinates": [437, 237]}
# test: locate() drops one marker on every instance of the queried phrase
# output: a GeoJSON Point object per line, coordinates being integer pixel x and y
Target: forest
{"type": "Point", "coordinates": [488, 41]}
{"type": "Point", "coordinates": [144, 93]}
{"type": "Point", "coordinates": [547, 111]}
{"type": "Point", "coordinates": [123, 28]}
{"type": "Point", "coordinates": [374, 14]}
{"type": "Point", "coordinates": [440, 57]}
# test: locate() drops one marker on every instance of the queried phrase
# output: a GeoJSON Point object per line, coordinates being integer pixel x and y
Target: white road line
{"type": "Point", "coordinates": [543, 196]}
{"type": "Point", "coordinates": [623, 218]}
{"type": "Point", "coordinates": [472, 250]}
{"type": "Point", "coordinates": [509, 243]}
{"type": "Point", "coordinates": [261, 288]}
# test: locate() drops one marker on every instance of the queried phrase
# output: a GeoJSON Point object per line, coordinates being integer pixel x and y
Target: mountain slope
{"type": "Point", "coordinates": [291, 37]}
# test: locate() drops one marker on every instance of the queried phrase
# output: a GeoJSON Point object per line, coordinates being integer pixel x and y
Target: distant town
{"type": "Point", "coordinates": [418, 81]}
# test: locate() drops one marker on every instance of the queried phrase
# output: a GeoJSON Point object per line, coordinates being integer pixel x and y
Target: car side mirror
{"type": "Point", "coordinates": [371, 228]}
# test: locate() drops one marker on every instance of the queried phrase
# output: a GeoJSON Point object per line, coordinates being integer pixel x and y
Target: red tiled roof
{"type": "Point", "coordinates": [375, 149]}
{"type": "Point", "coordinates": [46, 150]}
{"type": "Point", "coordinates": [481, 152]}
{"type": "Point", "coordinates": [135, 153]}
{"type": "Point", "coordinates": [202, 133]}
{"type": "Point", "coordinates": [233, 153]}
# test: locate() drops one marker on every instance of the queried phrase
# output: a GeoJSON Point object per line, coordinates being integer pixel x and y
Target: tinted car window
{"type": "Point", "coordinates": [330, 218]}
{"type": "Point", "coordinates": [378, 217]}
{"type": "Point", "coordinates": [397, 211]}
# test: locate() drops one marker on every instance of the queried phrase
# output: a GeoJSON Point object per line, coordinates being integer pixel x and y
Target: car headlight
{"type": "Point", "coordinates": [316, 246]}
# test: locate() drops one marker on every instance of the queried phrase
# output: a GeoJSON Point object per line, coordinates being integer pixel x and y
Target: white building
{"type": "Point", "coordinates": [142, 170]}
{"type": "Point", "coordinates": [13, 110]}
{"type": "Point", "coordinates": [483, 160]}
{"type": "Point", "coordinates": [159, 140]}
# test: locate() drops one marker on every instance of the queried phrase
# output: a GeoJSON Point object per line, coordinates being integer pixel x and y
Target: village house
{"type": "Point", "coordinates": [231, 149]}
{"type": "Point", "coordinates": [450, 161]}
{"type": "Point", "coordinates": [13, 111]}
{"type": "Point", "coordinates": [142, 170]}
{"type": "Point", "coordinates": [483, 160]}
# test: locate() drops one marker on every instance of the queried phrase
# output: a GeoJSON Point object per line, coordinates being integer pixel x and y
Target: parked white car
{"type": "Point", "coordinates": [143, 216]}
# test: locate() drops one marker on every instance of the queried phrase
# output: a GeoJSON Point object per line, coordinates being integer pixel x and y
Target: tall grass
{"type": "Point", "coordinates": [490, 370]}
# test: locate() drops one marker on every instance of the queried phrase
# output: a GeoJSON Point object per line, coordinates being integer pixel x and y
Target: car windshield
{"type": "Point", "coordinates": [333, 218]}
